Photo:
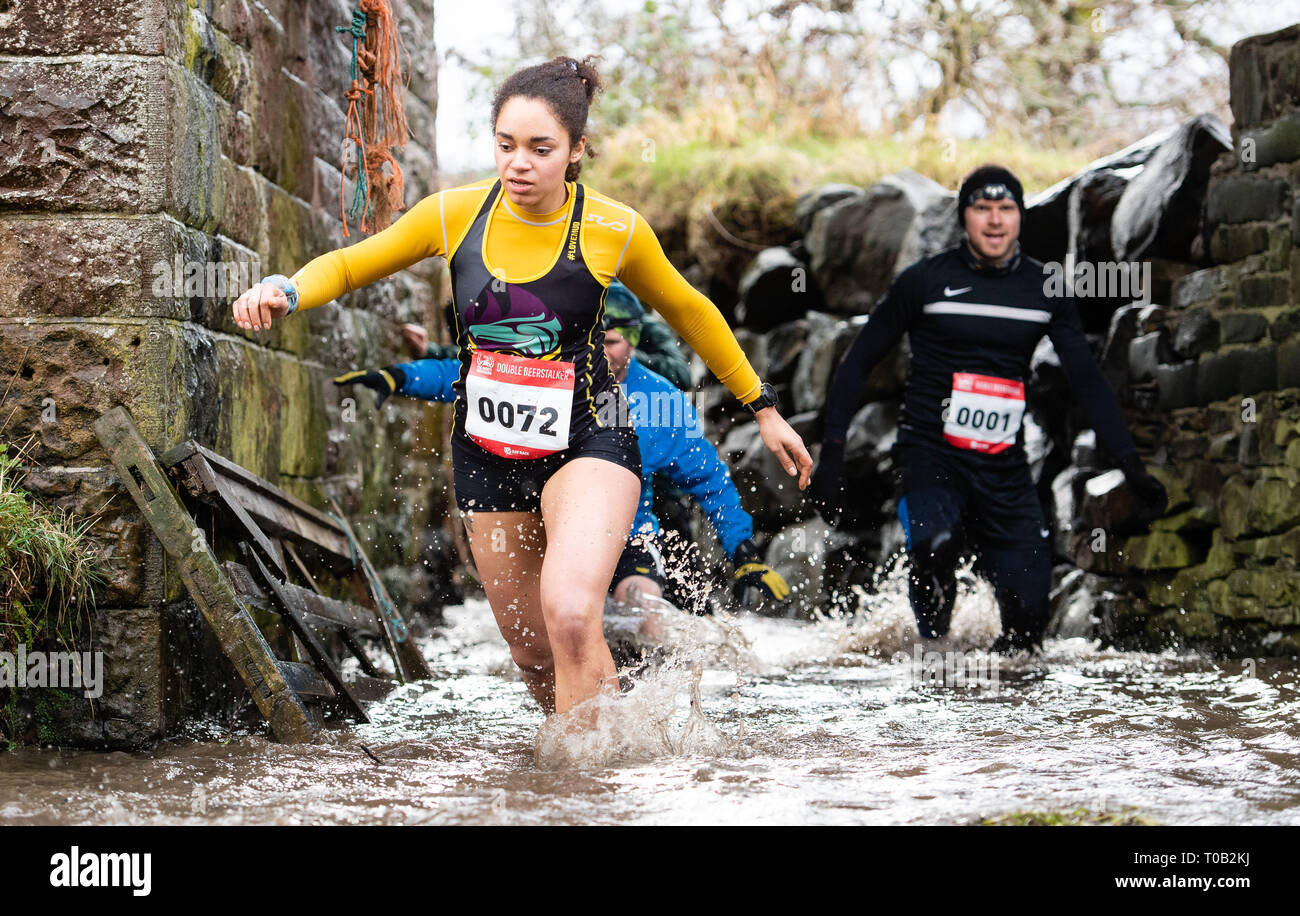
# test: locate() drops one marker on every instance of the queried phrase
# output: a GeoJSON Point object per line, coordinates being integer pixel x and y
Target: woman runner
{"type": "Point", "coordinates": [545, 461]}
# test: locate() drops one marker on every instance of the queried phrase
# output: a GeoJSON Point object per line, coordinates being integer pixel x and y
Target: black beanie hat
{"type": "Point", "coordinates": [986, 175]}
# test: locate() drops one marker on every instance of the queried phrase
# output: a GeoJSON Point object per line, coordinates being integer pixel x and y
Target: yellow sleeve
{"type": "Point", "coordinates": [647, 271]}
{"type": "Point", "coordinates": [418, 234]}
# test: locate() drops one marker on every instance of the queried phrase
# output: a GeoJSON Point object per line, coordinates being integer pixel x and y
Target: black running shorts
{"type": "Point", "coordinates": [489, 483]}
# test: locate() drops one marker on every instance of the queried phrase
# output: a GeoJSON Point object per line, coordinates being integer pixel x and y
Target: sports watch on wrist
{"type": "Point", "coordinates": [767, 398]}
{"type": "Point", "coordinates": [290, 291]}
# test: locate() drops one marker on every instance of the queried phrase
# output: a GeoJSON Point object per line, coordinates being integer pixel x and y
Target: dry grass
{"type": "Point", "coordinates": [745, 170]}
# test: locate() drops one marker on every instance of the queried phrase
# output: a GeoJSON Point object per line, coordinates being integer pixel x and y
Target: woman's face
{"type": "Point", "coordinates": [532, 153]}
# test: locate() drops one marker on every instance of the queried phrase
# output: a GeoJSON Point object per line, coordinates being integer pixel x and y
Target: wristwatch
{"type": "Point", "coordinates": [767, 398]}
{"type": "Point", "coordinates": [290, 291]}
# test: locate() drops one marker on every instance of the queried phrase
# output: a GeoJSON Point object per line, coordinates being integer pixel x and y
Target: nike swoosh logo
{"type": "Point", "coordinates": [957, 292]}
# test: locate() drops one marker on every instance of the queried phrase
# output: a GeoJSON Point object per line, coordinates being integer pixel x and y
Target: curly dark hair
{"type": "Point", "coordinates": [567, 86]}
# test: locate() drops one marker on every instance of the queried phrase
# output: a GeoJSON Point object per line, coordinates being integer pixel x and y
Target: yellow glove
{"type": "Point", "coordinates": [753, 574]}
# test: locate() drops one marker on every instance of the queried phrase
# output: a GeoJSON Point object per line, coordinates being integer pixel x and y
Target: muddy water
{"type": "Point", "coordinates": [746, 720]}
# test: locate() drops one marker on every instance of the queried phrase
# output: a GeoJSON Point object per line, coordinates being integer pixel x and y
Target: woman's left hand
{"type": "Point", "coordinates": [785, 444]}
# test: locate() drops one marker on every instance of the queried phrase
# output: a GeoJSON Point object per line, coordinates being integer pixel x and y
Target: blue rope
{"type": "Point", "coordinates": [361, 193]}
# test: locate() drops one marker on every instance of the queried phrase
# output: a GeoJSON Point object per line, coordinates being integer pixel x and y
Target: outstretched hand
{"type": "Point", "coordinates": [785, 444]}
{"type": "Point", "coordinates": [255, 309]}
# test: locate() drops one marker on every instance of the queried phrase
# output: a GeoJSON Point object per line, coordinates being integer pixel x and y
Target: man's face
{"type": "Point", "coordinates": [992, 226]}
{"type": "Point", "coordinates": [619, 353]}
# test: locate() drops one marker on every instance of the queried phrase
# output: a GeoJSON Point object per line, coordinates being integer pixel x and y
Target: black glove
{"type": "Point", "coordinates": [752, 574]}
{"type": "Point", "coordinates": [382, 381]}
{"type": "Point", "coordinates": [826, 491]}
{"type": "Point", "coordinates": [1150, 491]}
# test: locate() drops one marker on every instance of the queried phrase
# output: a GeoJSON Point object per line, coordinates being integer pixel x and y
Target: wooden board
{"type": "Point", "coordinates": [240, 639]}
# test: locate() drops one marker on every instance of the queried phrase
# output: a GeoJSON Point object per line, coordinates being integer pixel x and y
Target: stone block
{"type": "Point", "coordinates": [82, 134]}
{"type": "Point", "coordinates": [1274, 505]}
{"type": "Point", "coordinates": [49, 28]}
{"type": "Point", "coordinates": [128, 555]}
{"type": "Point", "coordinates": [1204, 286]}
{"type": "Point", "coordinates": [84, 266]}
{"type": "Point", "coordinates": [1234, 507]}
{"type": "Point", "coordinates": [1288, 364]}
{"type": "Point", "coordinates": [1244, 371]}
{"type": "Point", "coordinates": [1232, 243]}
{"type": "Point", "coordinates": [1264, 77]}
{"type": "Point", "coordinates": [1243, 327]}
{"type": "Point", "coordinates": [1240, 198]}
{"type": "Point", "coordinates": [1177, 385]}
{"type": "Point", "coordinates": [1264, 290]}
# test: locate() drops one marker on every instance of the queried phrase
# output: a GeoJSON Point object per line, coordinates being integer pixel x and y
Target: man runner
{"type": "Point", "coordinates": [974, 315]}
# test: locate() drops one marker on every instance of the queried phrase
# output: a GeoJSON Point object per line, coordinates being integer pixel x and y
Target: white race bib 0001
{"type": "Point", "coordinates": [518, 407]}
{"type": "Point", "coordinates": [984, 412]}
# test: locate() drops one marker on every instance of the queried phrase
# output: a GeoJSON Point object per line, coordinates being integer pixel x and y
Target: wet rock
{"type": "Point", "coordinates": [1073, 604]}
{"type": "Point", "coordinates": [775, 289]}
{"type": "Point", "coordinates": [1045, 233]}
{"type": "Point", "coordinates": [1274, 505]}
{"type": "Point", "coordinates": [809, 204]}
{"type": "Point", "coordinates": [935, 229]}
{"type": "Point", "coordinates": [818, 361]}
{"type": "Point", "coordinates": [1158, 213]}
{"type": "Point", "coordinates": [854, 243]}
{"type": "Point", "coordinates": [1147, 353]}
{"type": "Point", "coordinates": [1196, 331]}
{"type": "Point", "coordinates": [766, 492]}
{"type": "Point", "coordinates": [1091, 205]}
{"type": "Point", "coordinates": [785, 345]}
{"type": "Point", "coordinates": [1176, 385]}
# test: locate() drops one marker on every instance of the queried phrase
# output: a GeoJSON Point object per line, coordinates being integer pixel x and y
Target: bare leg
{"type": "Point", "coordinates": [587, 506]}
{"type": "Point", "coordinates": [508, 548]}
{"type": "Point", "coordinates": [643, 585]}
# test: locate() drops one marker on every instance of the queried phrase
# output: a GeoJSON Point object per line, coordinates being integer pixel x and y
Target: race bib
{"type": "Point", "coordinates": [984, 412]}
{"type": "Point", "coordinates": [517, 407]}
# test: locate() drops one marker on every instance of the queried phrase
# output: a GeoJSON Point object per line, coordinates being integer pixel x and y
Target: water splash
{"type": "Point", "coordinates": [645, 723]}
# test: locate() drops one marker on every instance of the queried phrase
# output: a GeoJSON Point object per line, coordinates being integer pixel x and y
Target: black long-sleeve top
{"type": "Point", "coordinates": [964, 317]}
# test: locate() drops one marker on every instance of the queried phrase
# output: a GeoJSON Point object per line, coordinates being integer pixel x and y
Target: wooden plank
{"type": "Point", "coordinates": [214, 486]}
{"type": "Point", "coordinates": [239, 637]}
{"type": "Point", "coordinates": [330, 611]}
{"type": "Point", "coordinates": [280, 514]}
{"type": "Point", "coordinates": [371, 689]}
{"type": "Point", "coordinates": [291, 612]}
{"type": "Point", "coordinates": [305, 680]}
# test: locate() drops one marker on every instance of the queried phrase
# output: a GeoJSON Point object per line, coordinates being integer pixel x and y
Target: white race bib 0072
{"type": "Point", "coordinates": [518, 407]}
{"type": "Point", "coordinates": [984, 412]}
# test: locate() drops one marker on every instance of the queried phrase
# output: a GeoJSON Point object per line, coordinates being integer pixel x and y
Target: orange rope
{"type": "Point", "coordinates": [376, 110]}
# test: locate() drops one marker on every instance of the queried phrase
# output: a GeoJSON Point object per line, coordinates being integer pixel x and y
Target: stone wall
{"type": "Point", "coordinates": [137, 139]}
{"type": "Point", "coordinates": [1218, 376]}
